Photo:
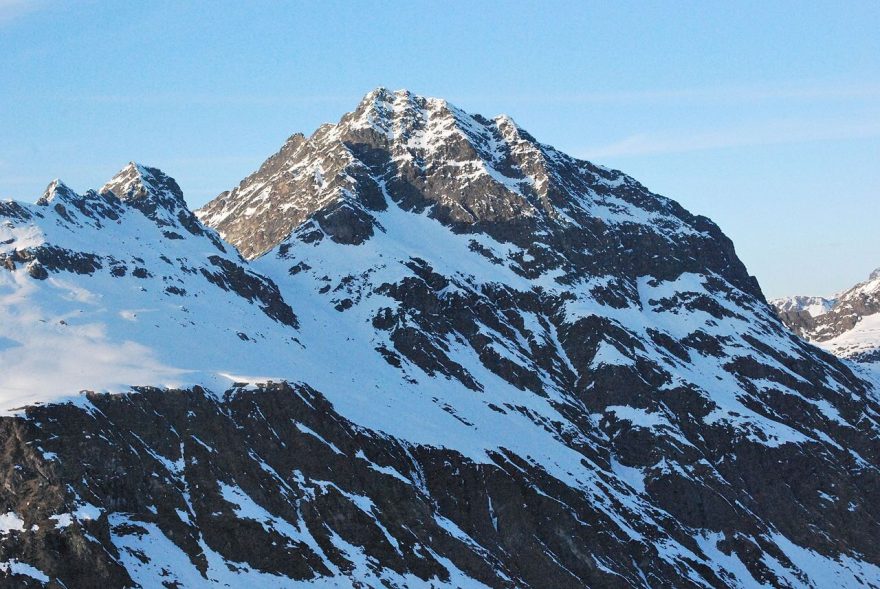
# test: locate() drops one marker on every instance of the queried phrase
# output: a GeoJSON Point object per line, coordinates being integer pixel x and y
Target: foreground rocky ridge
{"type": "Point", "coordinates": [516, 369]}
{"type": "Point", "coordinates": [271, 486]}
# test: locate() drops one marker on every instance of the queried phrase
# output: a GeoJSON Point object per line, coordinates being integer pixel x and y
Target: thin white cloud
{"type": "Point", "coordinates": [23, 180]}
{"type": "Point", "coordinates": [214, 159]}
{"type": "Point", "coordinates": [824, 91]}
{"type": "Point", "coordinates": [207, 99]}
{"type": "Point", "coordinates": [13, 9]}
{"type": "Point", "coordinates": [766, 133]}
{"type": "Point", "coordinates": [812, 91]}
{"type": "Point", "coordinates": [806, 91]}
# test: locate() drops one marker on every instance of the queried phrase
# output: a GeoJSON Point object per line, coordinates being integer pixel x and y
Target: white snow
{"type": "Point", "coordinates": [609, 355]}
{"type": "Point", "coordinates": [864, 337]}
{"type": "Point", "coordinates": [634, 477]}
{"type": "Point", "coordinates": [10, 522]}
{"type": "Point", "coordinates": [83, 512]}
{"type": "Point", "coordinates": [312, 433]}
{"type": "Point", "coordinates": [814, 306]}
{"type": "Point", "coordinates": [15, 567]}
{"type": "Point", "coordinates": [822, 571]}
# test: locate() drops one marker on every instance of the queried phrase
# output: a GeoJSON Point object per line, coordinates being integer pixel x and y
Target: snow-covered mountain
{"type": "Point", "coordinates": [456, 357]}
{"type": "Point", "coordinates": [124, 286]}
{"type": "Point", "coordinates": [847, 325]}
{"type": "Point", "coordinates": [812, 306]}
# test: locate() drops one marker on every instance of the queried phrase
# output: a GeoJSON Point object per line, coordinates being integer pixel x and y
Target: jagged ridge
{"type": "Point", "coordinates": [119, 275]}
{"type": "Point", "coordinates": [472, 174]}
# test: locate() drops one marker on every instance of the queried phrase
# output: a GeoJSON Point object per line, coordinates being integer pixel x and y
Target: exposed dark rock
{"type": "Point", "coordinates": [36, 270]}
{"type": "Point", "coordinates": [188, 465]}
{"type": "Point", "coordinates": [251, 286]}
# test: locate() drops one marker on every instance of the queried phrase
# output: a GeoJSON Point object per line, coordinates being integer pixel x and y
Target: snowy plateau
{"type": "Point", "coordinates": [418, 348]}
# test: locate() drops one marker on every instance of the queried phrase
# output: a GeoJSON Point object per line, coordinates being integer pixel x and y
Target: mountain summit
{"type": "Point", "coordinates": [474, 175]}
{"type": "Point", "coordinates": [454, 356]}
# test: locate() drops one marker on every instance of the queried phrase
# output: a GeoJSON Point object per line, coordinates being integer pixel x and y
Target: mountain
{"type": "Point", "coordinates": [812, 306]}
{"type": "Point", "coordinates": [847, 325]}
{"type": "Point", "coordinates": [473, 175]}
{"type": "Point", "coordinates": [454, 356]}
{"type": "Point", "coordinates": [110, 288]}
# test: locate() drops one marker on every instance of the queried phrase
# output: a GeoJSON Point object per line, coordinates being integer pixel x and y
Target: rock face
{"type": "Point", "coordinates": [457, 357]}
{"type": "Point", "coordinates": [847, 325]}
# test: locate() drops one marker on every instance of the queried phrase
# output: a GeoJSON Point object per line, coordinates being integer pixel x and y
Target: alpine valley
{"type": "Point", "coordinates": [415, 349]}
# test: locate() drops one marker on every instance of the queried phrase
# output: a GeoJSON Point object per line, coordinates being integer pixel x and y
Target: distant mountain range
{"type": "Point", "coordinates": [418, 348]}
{"type": "Point", "coordinates": [847, 324]}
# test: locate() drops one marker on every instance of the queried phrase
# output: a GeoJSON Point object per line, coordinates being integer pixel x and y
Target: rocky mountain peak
{"type": "Point", "coordinates": [156, 194]}
{"type": "Point", "coordinates": [513, 368]}
{"type": "Point", "coordinates": [421, 152]}
{"type": "Point", "coordinates": [75, 209]}
{"type": "Point", "coordinates": [150, 190]}
{"type": "Point", "coordinates": [474, 175]}
{"type": "Point", "coordinates": [386, 105]}
{"type": "Point", "coordinates": [56, 190]}
{"type": "Point", "coordinates": [847, 325]}
{"type": "Point", "coordinates": [136, 181]}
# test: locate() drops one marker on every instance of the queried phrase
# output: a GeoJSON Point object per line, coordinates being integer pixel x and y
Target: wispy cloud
{"type": "Point", "coordinates": [215, 160]}
{"type": "Point", "coordinates": [809, 90]}
{"type": "Point", "coordinates": [23, 180]}
{"type": "Point", "coordinates": [205, 99]}
{"type": "Point", "coordinates": [13, 9]}
{"type": "Point", "coordinates": [765, 133]}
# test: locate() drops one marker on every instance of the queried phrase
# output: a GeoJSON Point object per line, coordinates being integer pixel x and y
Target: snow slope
{"type": "Point", "coordinates": [121, 299]}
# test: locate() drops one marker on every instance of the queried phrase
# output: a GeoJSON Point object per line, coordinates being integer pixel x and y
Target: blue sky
{"type": "Point", "coordinates": [764, 116]}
